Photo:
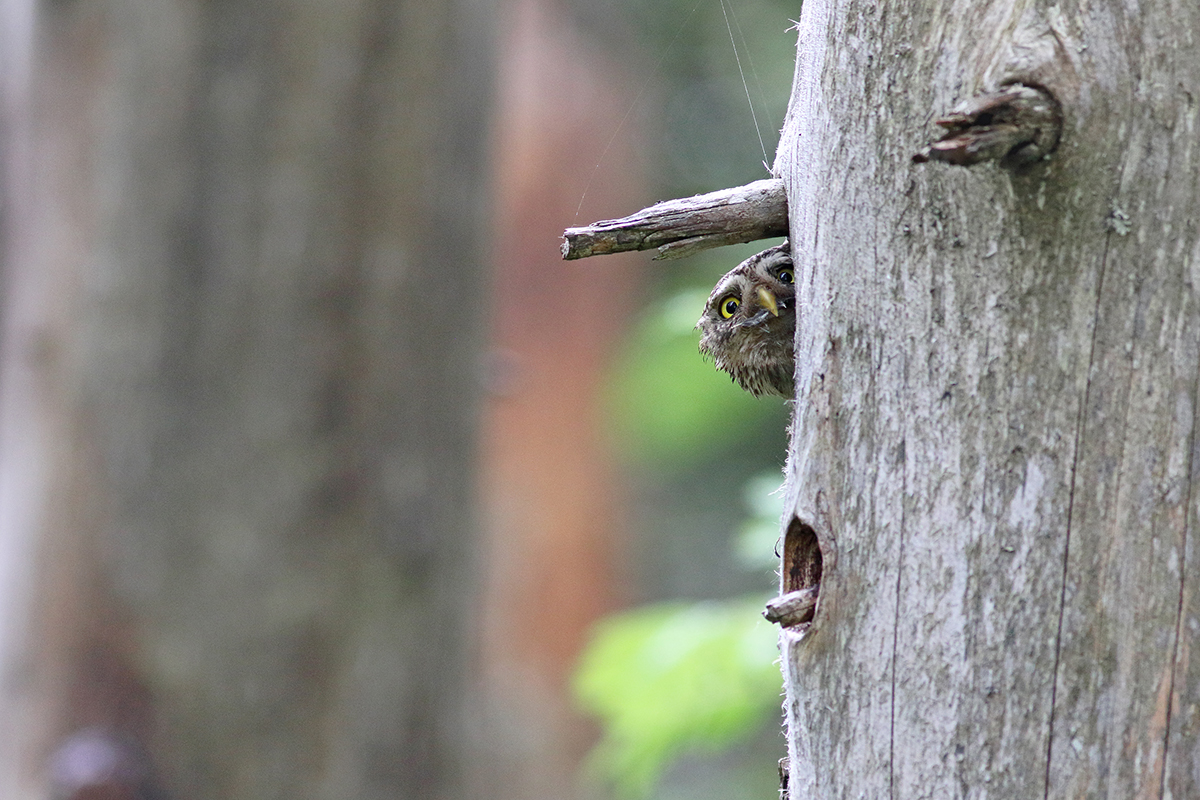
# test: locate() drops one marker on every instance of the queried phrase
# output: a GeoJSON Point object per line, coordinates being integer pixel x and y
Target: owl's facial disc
{"type": "Point", "coordinates": [749, 323]}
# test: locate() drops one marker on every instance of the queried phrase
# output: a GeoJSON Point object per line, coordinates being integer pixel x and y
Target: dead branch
{"type": "Point", "coordinates": [681, 227]}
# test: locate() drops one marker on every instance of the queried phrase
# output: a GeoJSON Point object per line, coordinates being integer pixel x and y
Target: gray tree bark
{"type": "Point", "coordinates": [995, 430]}
{"type": "Point", "coordinates": [243, 320]}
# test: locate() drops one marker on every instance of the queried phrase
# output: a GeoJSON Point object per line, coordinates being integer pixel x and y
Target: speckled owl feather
{"type": "Point", "coordinates": [749, 323]}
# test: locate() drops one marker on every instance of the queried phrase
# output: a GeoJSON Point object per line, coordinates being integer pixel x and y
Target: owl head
{"type": "Point", "coordinates": [749, 323]}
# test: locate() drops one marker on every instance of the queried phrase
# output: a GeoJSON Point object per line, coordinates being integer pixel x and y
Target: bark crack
{"type": "Point", "coordinates": [896, 623]}
{"type": "Point", "coordinates": [1183, 540]}
{"type": "Point", "coordinates": [895, 650]}
{"type": "Point", "coordinates": [1062, 597]}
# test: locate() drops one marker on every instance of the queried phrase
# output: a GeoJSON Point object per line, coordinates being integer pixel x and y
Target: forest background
{"type": "Point", "coordinates": [319, 470]}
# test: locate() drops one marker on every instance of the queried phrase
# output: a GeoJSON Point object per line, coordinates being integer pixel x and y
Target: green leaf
{"type": "Point", "coordinates": [674, 677]}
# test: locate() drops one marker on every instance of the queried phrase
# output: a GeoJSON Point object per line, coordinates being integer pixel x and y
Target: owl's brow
{"type": "Point", "coordinates": [774, 257]}
{"type": "Point", "coordinates": [725, 286]}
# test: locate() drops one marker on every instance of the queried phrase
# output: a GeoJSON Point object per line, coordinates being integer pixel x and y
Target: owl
{"type": "Point", "coordinates": [749, 323]}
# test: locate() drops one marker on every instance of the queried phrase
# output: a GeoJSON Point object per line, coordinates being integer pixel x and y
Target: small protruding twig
{"type": "Point", "coordinates": [792, 608]}
{"type": "Point", "coordinates": [1016, 125]}
{"type": "Point", "coordinates": [681, 227]}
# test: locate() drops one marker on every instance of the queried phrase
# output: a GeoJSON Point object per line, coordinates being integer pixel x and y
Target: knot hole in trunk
{"type": "Point", "coordinates": [801, 577]}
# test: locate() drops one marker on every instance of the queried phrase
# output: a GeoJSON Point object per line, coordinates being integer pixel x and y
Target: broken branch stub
{"type": "Point", "coordinates": [1016, 125]}
{"type": "Point", "coordinates": [793, 608]}
{"type": "Point", "coordinates": [681, 227]}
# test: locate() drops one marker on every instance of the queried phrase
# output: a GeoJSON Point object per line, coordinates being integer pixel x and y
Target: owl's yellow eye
{"type": "Point", "coordinates": [787, 276]}
{"type": "Point", "coordinates": [729, 306]}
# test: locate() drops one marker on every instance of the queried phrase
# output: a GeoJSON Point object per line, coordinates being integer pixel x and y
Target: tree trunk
{"type": "Point", "coordinates": [243, 316]}
{"type": "Point", "coordinates": [996, 381]}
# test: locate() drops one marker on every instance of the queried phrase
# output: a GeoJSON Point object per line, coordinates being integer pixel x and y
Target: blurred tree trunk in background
{"type": "Point", "coordinates": [242, 321]}
{"type": "Point", "coordinates": [552, 506]}
{"type": "Point", "coordinates": [995, 436]}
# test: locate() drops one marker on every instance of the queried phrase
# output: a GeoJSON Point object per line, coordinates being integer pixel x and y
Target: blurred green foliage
{"type": "Point", "coordinates": [758, 539]}
{"type": "Point", "coordinates": [670, 678]}
{"type": "Point", "coordinates": [676, 676]}
{"type": "Point", "coordinates": [668, 405]}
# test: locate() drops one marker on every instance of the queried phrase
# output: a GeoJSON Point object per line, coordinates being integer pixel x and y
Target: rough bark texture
{"type": "Point", "coordinates": [995, 429]}
{"type": "Point", "coordinates": [240, 372]}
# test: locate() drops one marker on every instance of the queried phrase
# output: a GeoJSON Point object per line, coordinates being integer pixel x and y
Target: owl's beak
{"type": "Point", "coordinates": [766, 299]}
